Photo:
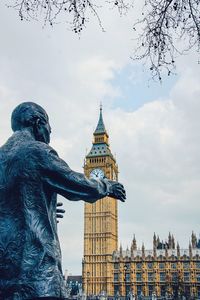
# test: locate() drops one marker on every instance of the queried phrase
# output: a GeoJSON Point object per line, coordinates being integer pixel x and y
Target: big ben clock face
{"type": "Point", "coordinates": [97, 174]}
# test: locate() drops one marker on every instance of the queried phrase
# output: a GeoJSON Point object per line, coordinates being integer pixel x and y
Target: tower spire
{"type": "Point", "coordinates": [101, 106]}
{"type": "Point", "coordinates": [100, 126]}
{"type": "Point", "coordinates": [100, 143]}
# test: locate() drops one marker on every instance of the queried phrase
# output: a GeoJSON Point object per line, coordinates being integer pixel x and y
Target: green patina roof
{"type": "Point", "coordinates": [100, 126]}
{"type": "Point", "coordinates": [99, 150]}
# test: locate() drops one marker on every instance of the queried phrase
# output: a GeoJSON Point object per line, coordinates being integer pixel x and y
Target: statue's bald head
{"type": "Point", "coordinates": [32, 115]}
{"type": "Point", "coordinates": [25, 115]}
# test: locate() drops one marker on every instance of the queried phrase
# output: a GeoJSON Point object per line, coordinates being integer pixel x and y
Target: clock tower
{"type": "Point", "coordinates": [100, 218]}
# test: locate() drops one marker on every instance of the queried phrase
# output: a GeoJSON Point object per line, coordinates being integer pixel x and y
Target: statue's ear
{"type": "Point", "coordinates": [36, 127]}
{"type": "Point", "coordinates": [37, 122]}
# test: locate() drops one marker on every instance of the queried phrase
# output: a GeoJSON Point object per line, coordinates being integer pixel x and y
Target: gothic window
{"type": "Point", "coordinates": [150, 276]}
{"type": "Point", "coordinates": [162, 276]}
{"type": "Point", "coordinates": [138, 277]}
{"type": "Point", "coordinates": [163, 291]}
{"type": "Point", "coordinates": [116, 277]}
{"type": "Point", "coordinates": [161, 265]}
{"type": "Point", "coordinates": [116, 289]}
{"type": "Point", "coordinates": [186, 265]}
{"type": "Point", "coordinates": [173, 265]}
{"type": "Point", "coordinates": [139, 290]}
{"type": "Point", "coordinates": [127, 277]}
{"type": "Point", "coordinates": [174, 276]}
{"type": "Point", "coordinates": [127, 266]}
{"type": "Point", "coordinates": [150, 265]}
{"type": "Point", "coordinates": [150, 290]}
{"type": "Point", "coordinates": [186, 276]}
{"type": "Point", "coordinates": [198, 277]}
{"type": "Point", "coordinates": [138, 265]}
{"type": "Point", "coordinates": [116, 266]}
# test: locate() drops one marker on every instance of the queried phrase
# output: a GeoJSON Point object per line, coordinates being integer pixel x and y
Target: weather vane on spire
{"type": "Point", "coordinates": [101, 106]}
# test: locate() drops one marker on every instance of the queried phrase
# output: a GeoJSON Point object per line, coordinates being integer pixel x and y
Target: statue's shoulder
{"type": "Point", "coordinates": [41, 148]}
{"type": "Point", "coordinates": [21, 144]}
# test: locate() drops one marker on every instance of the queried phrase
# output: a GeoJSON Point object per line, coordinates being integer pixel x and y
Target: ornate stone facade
{"type": "Point", "coordinates": [164, 270]}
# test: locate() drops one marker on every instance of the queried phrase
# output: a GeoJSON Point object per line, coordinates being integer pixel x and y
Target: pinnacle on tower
{"type": "Point", "coordinates": [170, 241]}
{"type": "Point", "coordinates": [194, 240]}
{"type": "Point", "coordinates": [166, 250]}
{"type": "Point", "coordinates": [143, 248]}
{"type": "Point", "coordinates": [190, 249]}
{"type": "Point", "coordinates": [100, 126]}
{"type": "Point", "coordinates": [158, 240]}
{"type": "Point", "coordinates": [134, 244]}
{"type": "Point", "coordinates": [173, 242]}
{"type": "Point", "coordinates": [154, 241]}
{"type": "Point", "coordinates": [178, 249]}
{"type": "Point", "coordinates": [120, 250]}
{"type": "Point", "coordinates": [155, 244]}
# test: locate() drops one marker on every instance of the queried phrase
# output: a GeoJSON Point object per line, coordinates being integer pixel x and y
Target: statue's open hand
{"type": "Point", "coordinates": [59, 211]}
{"type": "Point", "coordinates": [117, 191]}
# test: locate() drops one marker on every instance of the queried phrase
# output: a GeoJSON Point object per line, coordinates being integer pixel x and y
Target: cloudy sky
{"type": "Point", "coordinates": [154, 129]}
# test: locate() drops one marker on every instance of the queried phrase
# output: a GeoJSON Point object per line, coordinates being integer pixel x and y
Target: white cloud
{"type": "Point", "coordinates": [158, 152]}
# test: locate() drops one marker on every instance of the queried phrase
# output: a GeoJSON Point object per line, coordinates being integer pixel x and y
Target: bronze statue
{"type": "Point", "coordinates": [31, 176]}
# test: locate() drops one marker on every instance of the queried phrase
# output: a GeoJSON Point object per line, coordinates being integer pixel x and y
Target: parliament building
{"type": "Point", "coordinates": [165, 270]}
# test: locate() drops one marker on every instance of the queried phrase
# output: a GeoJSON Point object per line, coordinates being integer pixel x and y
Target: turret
{"type": "Point", "coordinates": [173, 242]}
{"type": "Point", "coordinates": [194, 240]}
{"type": "Point", "coordinates": [170, 241]}
{"type": "Point", "coordinates": [143, 251]}
{"type": "Point", "coordinates": [154, 241]}
{"type": "Point", "coordinates": [120, 251]}
{"type": "Point", "coordinates": [166, 250]}
{"type": "Point", "coordinates": [158, 241]}
{"type": "Point", "coordinates": [190, 249]}
{"type": "Point", "coordinates": [178, 249]}
{"type": "Point", "coordinates": [133, 244]}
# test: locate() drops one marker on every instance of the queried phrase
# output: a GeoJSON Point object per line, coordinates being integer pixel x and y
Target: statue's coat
{"type": "Point", "coordinates": [31, 176]}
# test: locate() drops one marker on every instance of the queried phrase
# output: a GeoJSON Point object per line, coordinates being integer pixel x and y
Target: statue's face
{"type": "Point", "coordinates": [43, 130]}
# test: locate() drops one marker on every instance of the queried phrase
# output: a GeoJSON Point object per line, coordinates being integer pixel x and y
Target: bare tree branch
{"type": "Point", "coordinates": [76, 12]}
{"type": "Point", "coordinates": [166, 29]}
{"type": "Point", "coordinates": [166, 26]}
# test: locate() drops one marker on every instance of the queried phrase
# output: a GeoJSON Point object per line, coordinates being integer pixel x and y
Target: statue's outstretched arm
{"type": "Point", "coordinates": [76, 186]}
